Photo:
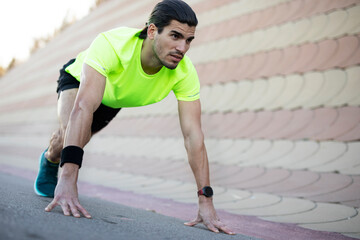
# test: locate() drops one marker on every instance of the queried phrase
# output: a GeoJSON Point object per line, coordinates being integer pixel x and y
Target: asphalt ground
{"type": "Point", "coordinates": [22, 216]}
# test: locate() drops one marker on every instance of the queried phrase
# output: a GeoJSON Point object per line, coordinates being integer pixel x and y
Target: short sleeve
{"type": "Point", "coordinates": [101, 55]}
{"type": "Point", "coordinates": [188, 89]}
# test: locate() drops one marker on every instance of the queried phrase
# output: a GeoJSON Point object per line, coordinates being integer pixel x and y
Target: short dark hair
{"type": "Point", "coordinates": [166, 11]}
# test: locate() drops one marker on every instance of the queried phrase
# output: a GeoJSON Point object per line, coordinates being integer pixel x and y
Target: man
{"type": "Point", "coordinates": [127, 67]}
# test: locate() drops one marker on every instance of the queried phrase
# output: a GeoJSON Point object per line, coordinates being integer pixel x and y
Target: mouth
{"type": "Point", "coordinates": [176, 57]}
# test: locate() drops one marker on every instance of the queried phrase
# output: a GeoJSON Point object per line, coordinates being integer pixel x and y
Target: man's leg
{"type": "Point", "coordinates": [46, 180]}
{"type": "Point", "coordinates": [49, 161]}
{"type": "Point", "coordinates": [65, 106]}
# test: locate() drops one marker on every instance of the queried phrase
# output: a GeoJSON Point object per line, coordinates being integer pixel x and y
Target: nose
{"type": "Point", "coordinates": [182, 47]}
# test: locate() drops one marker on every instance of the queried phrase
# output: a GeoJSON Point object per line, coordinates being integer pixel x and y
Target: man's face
{"type": "Point", "coordinates": [170, 46]}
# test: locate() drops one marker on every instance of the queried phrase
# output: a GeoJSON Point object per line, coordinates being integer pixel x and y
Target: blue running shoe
{"type": "Point", "coordinates": [47, 177]}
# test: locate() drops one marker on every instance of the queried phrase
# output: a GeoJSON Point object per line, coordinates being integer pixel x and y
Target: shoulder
{"type": "Point", "coordinates": [123, 41]}
{"type": "Point", "coordinates": [121, 34]}
{"type": "Point", "coordinates": [115, 38]}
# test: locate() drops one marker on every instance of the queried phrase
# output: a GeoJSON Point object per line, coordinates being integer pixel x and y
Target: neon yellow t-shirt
{"type": "Point", "coordinates": [116, 55]}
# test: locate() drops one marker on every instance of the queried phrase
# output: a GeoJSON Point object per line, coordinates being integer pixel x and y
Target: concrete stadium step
{"type": "Point", "coordinates": [299, 11]}
{"type": "Point", "coordinates": [314, 35]}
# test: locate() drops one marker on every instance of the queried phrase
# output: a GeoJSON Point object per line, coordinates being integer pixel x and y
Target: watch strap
{"type": "Point", "coordinates": [206, 191]}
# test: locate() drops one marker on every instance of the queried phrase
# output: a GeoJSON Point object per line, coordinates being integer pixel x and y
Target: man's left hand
{"type": "Point", "coordinates": [207, 215]}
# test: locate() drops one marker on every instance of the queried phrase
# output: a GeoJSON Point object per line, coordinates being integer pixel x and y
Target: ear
{"type": "Point", "coordinates": [151, 31]}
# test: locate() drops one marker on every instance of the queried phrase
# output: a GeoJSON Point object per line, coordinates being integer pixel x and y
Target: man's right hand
{"type": "Point", "coordinates": [66, 193]}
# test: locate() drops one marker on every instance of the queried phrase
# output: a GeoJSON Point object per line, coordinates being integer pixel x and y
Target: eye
{"type": "Point", "coordinates": [189, 40]}
{"type": "Point", "coordinates": [175, 36]}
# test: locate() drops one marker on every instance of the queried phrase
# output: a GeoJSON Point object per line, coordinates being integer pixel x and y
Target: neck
{"type": "Point", "coordinates": [149, 63]}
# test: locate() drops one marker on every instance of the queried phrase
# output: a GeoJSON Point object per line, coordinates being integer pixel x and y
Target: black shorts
{"type": "Point", "coordinates": [102, 116]}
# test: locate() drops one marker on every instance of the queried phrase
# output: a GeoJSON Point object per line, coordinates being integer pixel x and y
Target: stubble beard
{"type": "Point", "coordinates": [163, 63]}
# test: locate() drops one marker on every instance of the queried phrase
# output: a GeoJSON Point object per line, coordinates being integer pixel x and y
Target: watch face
{"type": "Point", "coordinates": [208, 192]}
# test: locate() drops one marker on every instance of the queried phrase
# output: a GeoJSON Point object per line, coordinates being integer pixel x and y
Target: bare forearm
{"type": "Point", "coordinates": [78, 131]}
{"type": "Point", "coordinates": [198, 161]}
{"type": "Point", "coordinates": [77, 134]}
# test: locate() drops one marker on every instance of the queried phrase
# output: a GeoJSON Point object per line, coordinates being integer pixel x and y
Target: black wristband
{"type": "Point", "coordinates": [72, 154]}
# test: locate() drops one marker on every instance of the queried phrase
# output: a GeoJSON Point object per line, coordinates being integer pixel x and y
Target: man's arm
{"type": "Point", "coordinates": [190, 122]}
{"type": "Point", "coordinates": [78, 133]}
{"type": "Point", "coordinates": [88, 99]}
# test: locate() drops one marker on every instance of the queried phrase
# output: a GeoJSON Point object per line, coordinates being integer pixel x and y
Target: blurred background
{"type": "Point", "coordinates": [28, 26]}
{"type": "Point", "coordinates": [280, 101]}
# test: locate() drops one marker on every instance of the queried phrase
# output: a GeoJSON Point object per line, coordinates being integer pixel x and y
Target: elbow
{"type": "Point", "coordinates": [81, 108]}
{"type": "Point", "coordinates": [78, 108]}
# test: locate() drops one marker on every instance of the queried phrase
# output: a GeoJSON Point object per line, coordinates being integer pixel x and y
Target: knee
{"type": "Point", "coordinates": [57, 137]}
{"type": "Point", "coordinates": [56, 145]}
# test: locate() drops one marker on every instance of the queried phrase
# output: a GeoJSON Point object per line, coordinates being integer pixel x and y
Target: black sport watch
{"type": "Point", "coordinates": [206, 191]}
